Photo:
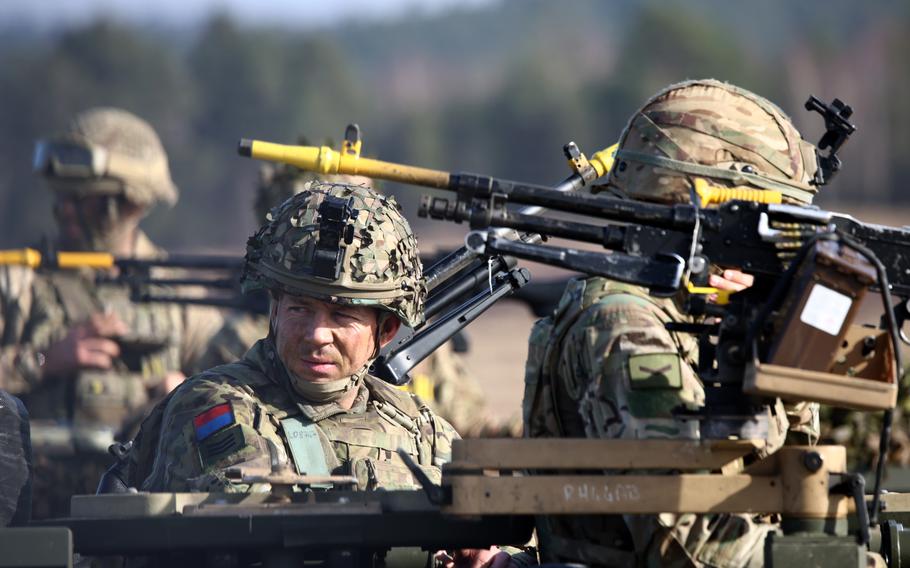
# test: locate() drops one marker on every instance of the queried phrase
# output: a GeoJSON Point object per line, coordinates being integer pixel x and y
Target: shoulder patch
{"type": "Point", "coordinates": [655, 371]}
{"type": "Point", "coordinates": [215, 448]}
{"type": "Point", "coordinates": [212, 420]}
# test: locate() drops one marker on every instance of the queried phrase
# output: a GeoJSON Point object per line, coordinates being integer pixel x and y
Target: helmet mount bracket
{"type": "Point", "coordinates": [335, 231]}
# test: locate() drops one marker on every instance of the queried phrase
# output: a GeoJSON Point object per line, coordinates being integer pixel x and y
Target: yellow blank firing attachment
{"type": "Point", "coordinates": [421, 385]}
{"type": "Point", "coordinates": [589, 170]}
{"type": "Point", "coordinates": [352, 142]}
{"type": "Point", "coordinates": [33, 259]}
{"type": "Point", "coordinates": [723, 296]}
{"type": "Point", "coordinates": [325, 160]}
{"type": "Point", "coordinates": [21, 257]}
{"type": "Point", "coordinates": [603, 160]}
{"type": "Point", "coordinates": [714, 194]}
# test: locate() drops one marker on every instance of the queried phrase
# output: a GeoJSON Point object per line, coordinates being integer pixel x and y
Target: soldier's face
{"type": "Point", "coordinates": [74, 214]}
{"type": "Point", "coordinates": [321, 342]}
{"type": "Point", "coordinates": [95, 223]}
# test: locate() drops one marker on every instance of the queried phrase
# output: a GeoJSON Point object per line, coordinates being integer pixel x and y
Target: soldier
{"type": "Point", "coordinates": [586, 369]}
{"type": "Point", "coordinates": [442, 380]}
{"type": "Point", "coordinates": [343, 272]}
{"type": "Point", "coordinates": [86, 361]}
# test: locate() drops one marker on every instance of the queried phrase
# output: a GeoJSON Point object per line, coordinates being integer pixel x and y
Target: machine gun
{"type": "Point", "coordinates": [204, 279]}
{"type": "Point", "coordinates": [214, 280]}
{"type": "Point", "coordinates": [813, 269]}
{"type": "Point", "coordinates": [791, 335]}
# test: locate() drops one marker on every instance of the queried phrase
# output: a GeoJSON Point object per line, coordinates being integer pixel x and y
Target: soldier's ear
{"type": "Point", "coordinates": [388, 327]}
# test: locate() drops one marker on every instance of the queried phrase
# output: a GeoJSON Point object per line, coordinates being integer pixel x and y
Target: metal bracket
{"type": "Point", "coordinates": [334, 214]}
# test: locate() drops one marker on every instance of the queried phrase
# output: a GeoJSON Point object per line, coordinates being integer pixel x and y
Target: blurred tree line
{"type": "Point", "coordinates": [496, 90]}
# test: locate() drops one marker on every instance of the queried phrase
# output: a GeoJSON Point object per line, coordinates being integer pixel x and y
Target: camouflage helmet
{"type": "Point", "coordinates": [121, 155]}
{"type": "Point", "coordinates": [716, 131]}
{"type": "Point", "coordinates": [339, 243]}
{"type": "Point", "coordinates": [279, 182]}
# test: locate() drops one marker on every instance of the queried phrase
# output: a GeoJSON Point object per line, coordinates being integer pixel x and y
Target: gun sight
{"type": "Point", "coordinates": [838, 130]}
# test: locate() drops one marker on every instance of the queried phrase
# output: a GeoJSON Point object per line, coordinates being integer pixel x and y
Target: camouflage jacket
{"type": "Point", "coordinates": [604, 365]}
{"type": "Point", "coordinates": [29, 322]}
{"type": "Point", "coordinates": [234, 417]}
{"type": "Point", "coordinates": [39, 307]}
{"type": "Point", "coordinates": [441, 380]}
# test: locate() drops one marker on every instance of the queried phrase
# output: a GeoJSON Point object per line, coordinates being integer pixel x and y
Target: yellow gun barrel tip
{"type": "Point", "coordinates": [245, 147]}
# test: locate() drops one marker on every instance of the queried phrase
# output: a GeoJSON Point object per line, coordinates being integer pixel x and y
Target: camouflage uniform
{"type": "Point", "coordinates": [441, 380]}
{"type": "Point", "coordinates": [604, 364]}
{"type": "Point", "coordinates": [362, 441]}
{"type": "Point", "coordinates": [77, 416]}
{"type": "Point", "coordinates": [258, 407]}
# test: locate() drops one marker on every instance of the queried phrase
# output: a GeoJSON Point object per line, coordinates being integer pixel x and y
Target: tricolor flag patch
{"type": "Point", "coordinates": [212, 420]}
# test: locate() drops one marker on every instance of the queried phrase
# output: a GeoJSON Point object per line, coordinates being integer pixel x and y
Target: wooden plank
{"type": "Point", "coordinates": [575, 454]}
{"type": "Point", "coordinates": [615, 494]}
{"type": "Point", "coordinates": [798, 384]}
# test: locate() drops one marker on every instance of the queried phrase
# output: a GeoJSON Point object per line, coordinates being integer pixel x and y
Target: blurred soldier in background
{"type": "Point", "coordinates": [442, 380]}
{"type": "Point", "coordinates": [605, 366]}
{"type": "Point", "coordinates": [88, 362]}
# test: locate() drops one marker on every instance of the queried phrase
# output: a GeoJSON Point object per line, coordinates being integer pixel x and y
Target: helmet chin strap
{"type": "Point", "coordinates": [321, 393]}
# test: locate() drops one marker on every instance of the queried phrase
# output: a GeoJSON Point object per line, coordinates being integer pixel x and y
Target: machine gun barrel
{"type": "Point", "coordinates": [325, 160]}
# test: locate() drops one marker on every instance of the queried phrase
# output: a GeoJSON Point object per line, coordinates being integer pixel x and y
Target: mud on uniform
{"type": "Point", "coordinates": [227, 417]}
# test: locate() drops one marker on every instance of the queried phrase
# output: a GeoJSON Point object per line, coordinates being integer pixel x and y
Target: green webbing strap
{"type": "Point", "coordinates": [746, 140]}
{"type": "Point", "coordinates": [306, 447]}
{"type": "Point", "coordinates": [737, 177]}
{"type": "Point", "coordinates": [659, 137]}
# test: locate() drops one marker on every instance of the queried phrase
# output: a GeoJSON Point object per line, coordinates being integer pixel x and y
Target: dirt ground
{"type": "Point", "coordinates": [499, 338]}
{"type": "Point", "coordinates": [498, 348]}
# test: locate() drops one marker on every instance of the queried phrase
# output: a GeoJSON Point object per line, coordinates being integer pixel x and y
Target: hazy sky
{"type": "Point", "coordinates": [51, 14]}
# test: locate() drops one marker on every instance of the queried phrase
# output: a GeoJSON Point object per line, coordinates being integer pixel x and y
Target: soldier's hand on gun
{"type": "Point", "coordinates": [88, 345]}
{"type": "Point", "coordinates": [475, 558]}
{"type": "Point", "coordinates": [730, 279]}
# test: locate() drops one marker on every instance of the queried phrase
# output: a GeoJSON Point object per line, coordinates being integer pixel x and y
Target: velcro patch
{"type": "Point", "coordinates": [213, 420]}
{"type": "Point", "coordinates": [221, 445]}
{"type": "Point", "coordinates": [655, 371]}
